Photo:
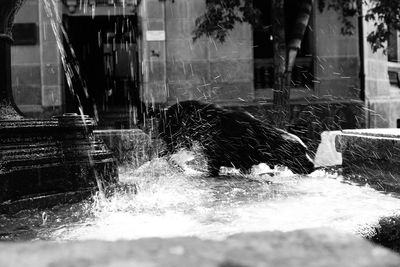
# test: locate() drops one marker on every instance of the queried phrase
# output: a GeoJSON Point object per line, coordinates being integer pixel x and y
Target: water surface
{"type": "Point", "coordinates": [171, 201]}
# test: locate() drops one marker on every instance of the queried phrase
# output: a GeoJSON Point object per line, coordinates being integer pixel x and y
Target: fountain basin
{"type": "Point", "coordinates": [45, 158]}
{"type": "Point", "coordinates": [158, 200]}
{"type": "Point", "coordinates": [371, 156]}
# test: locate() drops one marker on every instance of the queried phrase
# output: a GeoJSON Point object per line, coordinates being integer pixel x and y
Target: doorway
{"type": "Point", "coordinates": [106, 49]}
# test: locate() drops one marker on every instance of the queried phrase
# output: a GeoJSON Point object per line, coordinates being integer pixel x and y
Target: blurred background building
{"type": "Point", "coordinates": [130, 51]}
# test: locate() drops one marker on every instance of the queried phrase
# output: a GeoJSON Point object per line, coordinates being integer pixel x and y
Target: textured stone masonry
{"type": "Point", "coordinates": [373, 155]}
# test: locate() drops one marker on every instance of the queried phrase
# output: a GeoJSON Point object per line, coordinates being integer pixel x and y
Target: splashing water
{"type": "Point", "coordinates": [160, 200]}
{"type": "Point", "coordinates": [72, 71]}
{"type": "Point", "coordinates": [68, 58]}
{"type": "Point", "coordinates": [175, 202]}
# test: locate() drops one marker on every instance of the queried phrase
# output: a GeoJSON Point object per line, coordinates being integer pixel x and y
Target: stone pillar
{"type": "Point", "coordinates": [382, 99]}
{"type": "Point", "coordinates": [8, 109]}
{"type": "Point", "coordinates": [50, 62]}
{"type": "Point", "coordinates": [152, 14]}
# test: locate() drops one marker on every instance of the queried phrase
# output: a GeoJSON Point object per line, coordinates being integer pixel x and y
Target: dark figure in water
{"type": "Point", "coordinates": [231, 138]}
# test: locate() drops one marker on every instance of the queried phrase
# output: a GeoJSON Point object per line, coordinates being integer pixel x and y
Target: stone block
{"type": "Point", "coordinates": [376, 69]}
{"type": "Point", "coordinates": [156, 71]}
{"type": "Point", "coordinates": [341, 46]}
{"type": "Point", "coordinates": [51, 96]}
{"type": "Point", "coordinates": [155, 51]}
{"type": "Point", "coordinates": [51, 74]}
{"type": "Point", "coordinates": [33, 111]}
{"type": "Point", "coordinates": [329, 18]}
{"type": "Point", "coordinates": [186, 49]}
{"type": "Point", "coordinates": [337, 68]}
{"type": "Point", "coordinates": [155, 25]}
{"type": "Point", "coordinates": [154, 9]}
{"type": "Point", "coordinates": [376, 88]}
{"type": "Point", "coordinates": [185, 9]}
{"type": "Point", "coordinates": [47, 33]}
{"type": "Point", "coordinates": [29, 12]}
{"type": "Point", "coordinates": [189, 90]}
{"type": "Point", "coordinates": [229, 70]}
{"type": "Point", "coordinates": [25, 55]}
{"type": "Point", "coordinates": [343, 88]}
{"type": "Point", "coordinates": [27, 94]}
{"type": "Point", "coordinates": [179, 28]}
{"type": "Point", "coordinates": [25, 75]}
{"type": "Point", "coordinates": [50, 52]}
{"type": "Point", "coordinates": [330, 40]}
{"type": "Point", "coordinates": [230, 50]}
{"type": "Point", "coordinates": [196, 71]}
{"type": "Point", "coordinates": [227, 91]}
{"type": "Point", "coordinates": [379, 114]}
{"type": "Point", "coordinates": [154, 92]}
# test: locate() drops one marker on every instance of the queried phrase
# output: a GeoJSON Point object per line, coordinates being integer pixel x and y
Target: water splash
{"type": "Point", "coordinates": [163, 200]}
{"type": "Point", "coordinates": [72, 72]}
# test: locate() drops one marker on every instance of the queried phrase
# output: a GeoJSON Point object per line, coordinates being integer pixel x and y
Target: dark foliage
{"type": "Point", "coordinates": [386, 17]}
{"type": "Point", "coordinates": [222, 15]}
{"type": "Point", "coordinates": [383, 14]}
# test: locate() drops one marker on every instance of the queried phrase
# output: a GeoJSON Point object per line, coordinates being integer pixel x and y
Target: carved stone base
{"type": "Point", "coordinates": [39, 158]}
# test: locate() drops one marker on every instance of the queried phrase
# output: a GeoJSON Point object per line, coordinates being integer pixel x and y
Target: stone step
{"type": "Point", "coordinates": [45, 157]}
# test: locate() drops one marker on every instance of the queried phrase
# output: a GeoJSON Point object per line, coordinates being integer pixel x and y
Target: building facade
{"type": "Point", "coordinates": [125, 52]}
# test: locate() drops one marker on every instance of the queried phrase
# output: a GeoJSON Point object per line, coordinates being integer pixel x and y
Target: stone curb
{"type": "Point", "coordinates": [312, 247]}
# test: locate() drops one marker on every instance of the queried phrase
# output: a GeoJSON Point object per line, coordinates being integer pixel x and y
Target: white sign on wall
{"type": "Point", "coordinates": [155, 35]}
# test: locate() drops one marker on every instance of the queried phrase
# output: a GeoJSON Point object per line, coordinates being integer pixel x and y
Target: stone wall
{"type": "Point", "coordinates": [25, 60]}
{"type": "Point", "coordinates": [337, 61]}
{"type": "Point", "coordinates": [173, 67]}
{"type": "Point", "coordinates": [177, 68]}
{"type": "Point", "coordinates": [36, 68]}
{"type": "Point", "coordinates": [382, 99]}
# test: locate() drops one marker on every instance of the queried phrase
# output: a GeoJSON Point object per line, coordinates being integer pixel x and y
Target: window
{"type": "Point", "coordinates": [303, 70]}
{"type": "Point", "coordinates": [393, 47]}
{"type": "Point", "coordinates": [393, 58]}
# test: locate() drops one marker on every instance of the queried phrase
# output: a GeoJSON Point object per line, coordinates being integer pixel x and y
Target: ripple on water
{"type": "Point", "coordinates": [175, 201]}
